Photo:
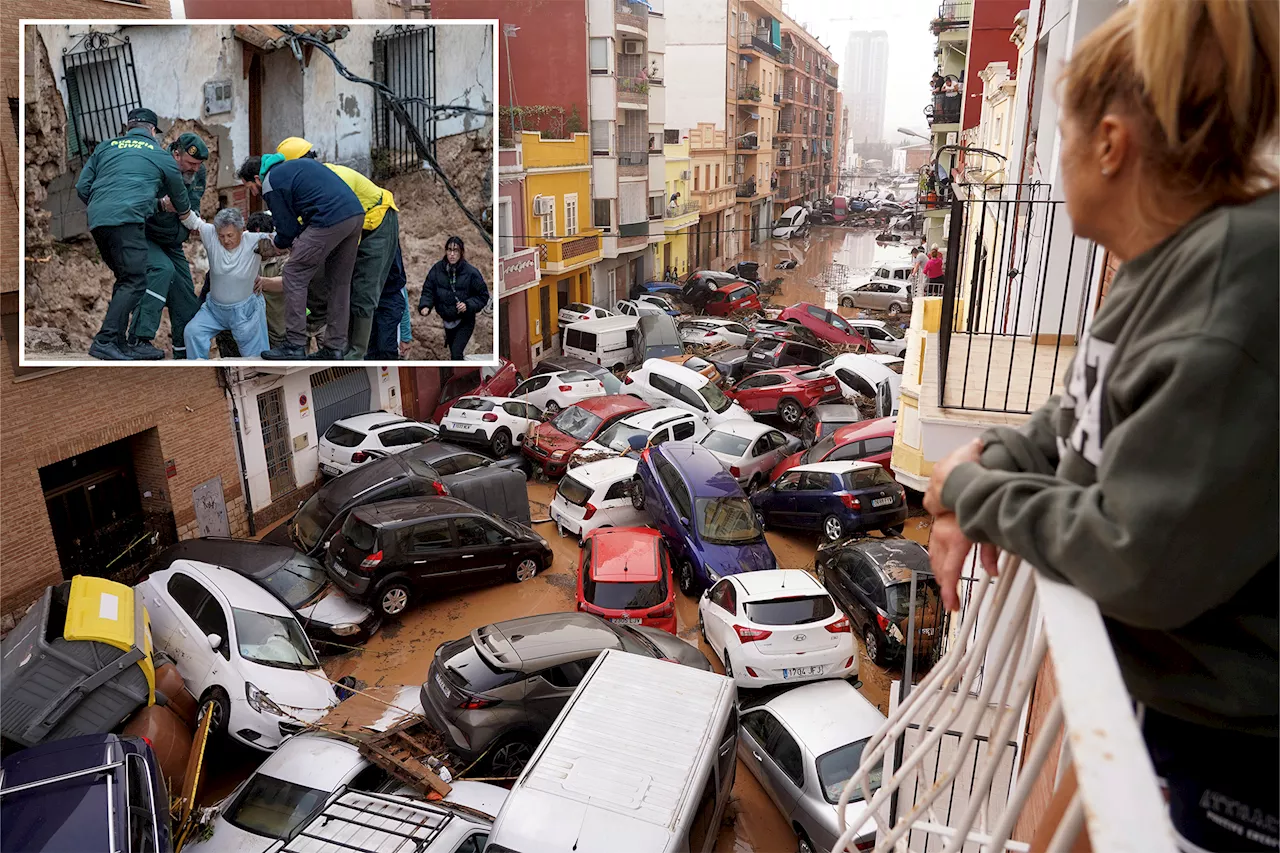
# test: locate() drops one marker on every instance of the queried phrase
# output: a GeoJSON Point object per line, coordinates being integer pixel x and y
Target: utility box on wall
{"type": "Point", "coordinates": [217, 97]}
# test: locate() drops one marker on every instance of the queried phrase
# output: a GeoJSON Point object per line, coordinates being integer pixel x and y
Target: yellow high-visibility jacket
{"type": "Point", "coordinates": [375, 200]}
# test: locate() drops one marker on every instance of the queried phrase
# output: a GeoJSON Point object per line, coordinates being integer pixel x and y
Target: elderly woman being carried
{"type": "Point", "coordinates": [235, 300]}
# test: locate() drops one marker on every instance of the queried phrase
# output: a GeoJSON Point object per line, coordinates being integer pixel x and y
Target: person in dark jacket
{"type": "Point", "coordinates": [120, 184]}
{"type": "Point", "coordinates": [319, 218]}
{"type": "Point", "coordinates": [169, 281]}
{"type": "Point", "coordinates": [456, 291]}
{"type": "Point", "coordinates": [384, 342]}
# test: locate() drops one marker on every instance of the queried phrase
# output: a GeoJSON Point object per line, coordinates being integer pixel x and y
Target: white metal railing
{"type": "Point", "coordinates": [948, 751]}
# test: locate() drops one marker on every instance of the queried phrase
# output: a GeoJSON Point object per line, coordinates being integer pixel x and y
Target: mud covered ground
{"type": "Point", "coordinates": [67, 291]}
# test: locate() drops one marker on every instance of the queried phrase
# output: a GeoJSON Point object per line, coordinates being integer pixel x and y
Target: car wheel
{"type": "Point", "coordinates": [832, 528]}
{"type": "Point", "coordinates": [501, 443]}
{"type": "Point", "coordinates": [874, 652]}
{"type": "Point", "coordinates": [702, 628]}
{"type": "Point", "coordinates": [510, 757]}
{"type": "Point", "coordinates": [688, 580]}
{"type": "Point", "coordinates": [847, 302]}
{"type": "Point", "coordinates": [637, 493]}
{"type": "Point", "coordinates": [895, 309]}
{"type": "Point", "coordinates": [728, 665]}
{"type": "Point", "coordinates": [525, 570]}
{"type": "Point", "coordinates": [790, 412]}
{"type": "Point", "coordinates": [803, 844]}
{"type": "Point", "coordinates": [760, 519]}
{"type": "Point", "coordinates": [893, 530]}
{"type": "Point", "coordinates": [393, 598]}
{"type": "Point", "coordinates": [552, 408]}
{"type": "Point", "coordinates": [216, 703]}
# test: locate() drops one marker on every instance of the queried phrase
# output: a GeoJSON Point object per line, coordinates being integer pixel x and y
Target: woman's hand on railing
{"type": "Point", "coordinates": [948, 545]}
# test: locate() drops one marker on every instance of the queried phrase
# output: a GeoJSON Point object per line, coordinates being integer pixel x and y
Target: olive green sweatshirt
{"type": "Point", "coordinates": [1150, 484]}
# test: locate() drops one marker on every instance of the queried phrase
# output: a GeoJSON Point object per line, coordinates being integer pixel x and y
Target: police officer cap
{"type": "Point", "coordinates": [189, 143]}
{"type": "Point", "coordinates": [144, 114]}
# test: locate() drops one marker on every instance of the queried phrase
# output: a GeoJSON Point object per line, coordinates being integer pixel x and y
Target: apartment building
{"type": "Point", "coordinates": [755, 99]}
{"type": "Point", "coordinates": [807, 122]}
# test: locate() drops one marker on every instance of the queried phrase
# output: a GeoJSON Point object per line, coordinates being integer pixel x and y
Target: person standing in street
{"type": "Point", "coordinates": [455, 290]}
{"type": "Point", "coordinates": [379, 242]}
{"type": "Point", "coordinates": [393, 308]}
{"type": "Point", "coordinates": [169, 279]}
{"type": "Point", "coordinates": [1167, 430]}
{"type": "Point", "coordinates": [319, 219]}
{"type": "Point", "coordinates": [120, 185]}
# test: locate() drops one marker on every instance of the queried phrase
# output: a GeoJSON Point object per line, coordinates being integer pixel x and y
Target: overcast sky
{"type": "Point", "coordinates": [911, 45]}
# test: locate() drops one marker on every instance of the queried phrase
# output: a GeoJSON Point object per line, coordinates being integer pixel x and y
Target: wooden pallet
{"type": "Point", "coordinates": [402, 751]}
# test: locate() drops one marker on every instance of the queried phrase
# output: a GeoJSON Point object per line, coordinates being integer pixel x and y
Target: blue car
{"type": "Point", "coordinates": [701, 512]}
{"type": "Point", "coordinates": [836, 498]}
{"type": "Point", "coordinates": [669, 289]}
{"type": "Point", "coordinates": [92, 792]}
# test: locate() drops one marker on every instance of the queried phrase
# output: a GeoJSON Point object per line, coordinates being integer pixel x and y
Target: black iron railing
{"type": "Point", "coordinates": [102, 87]}
{"type": "Point", "coordinates": [955, 13]}
{"type": "Point", "coordinates": [1018, 288]}
{"type": "Point", "coordinates": [404, 60]}
{"type": "Point", "coordinates": [946, 108]}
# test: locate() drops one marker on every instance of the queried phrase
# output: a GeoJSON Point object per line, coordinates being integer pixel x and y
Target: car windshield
{"type": "Point", "coordinates": [459, 385]}
{"type": "Point", "coordinates": [867, 478]}
{"type": "Point", "coordinates": [577, 423]}
{"type": "Point", "coordinates": [715, 397]}
{"type": "Point", "coordinates": [726, 443]}
{"type": "Point", "coordinates": [312, 519]}
{"type": "Point", "coordinates": [342, 436]}
{"type": "Point", "coordinates": [819, 451]}
{"type": "Point", "coordinates": [618, 436]}
{"type": "Point", "coordinates": [359, 533]}
{"type": "Point", "coordinates": [727, 521]}
{"type": "Point", "coordinates": [812, 375]}
{"type": "Point", "coordinates": [797, 610]}
{"type": "Point", "coordinates": [839, 323]}
{"type": "Point", "coordinates": [272, 640]}
{"type": "Point", "coordinates": [273, 807]}
{"type": "Point", "coordinates": [837, 767]}
{"type": "Point", "coordinates": [574, 492]}
{"type": "Point", "coordinates": [297, 580]}
{"type": "Point", "coordinates": [466, 666]}
{"type": "Point", "coordinates": [892, 331]}
{"type": "Point", "coordinates": [784, 222]}
{"type": "Point", "coordinates": [624, 595]}
{"type": "Point", "coordinates": [899, 595]}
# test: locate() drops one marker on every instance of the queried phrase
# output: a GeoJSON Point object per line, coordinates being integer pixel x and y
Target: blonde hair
{"type": "Point", "coordinates": [1199, 79]}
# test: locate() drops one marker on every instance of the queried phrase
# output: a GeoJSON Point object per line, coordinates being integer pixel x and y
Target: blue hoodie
{"type": "Point", "coordinates": [303, 193]}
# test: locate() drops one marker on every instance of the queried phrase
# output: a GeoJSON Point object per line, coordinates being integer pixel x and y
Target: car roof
{"type": "Point", "coordinates": [895, 557]}
{"type": "Point", "coordinates": [743, 428]}
{"type": "Point", "coordinates": [793, 209]}
{"type": "Point", "coordinates": [238, 589]}
{"type": "Point", "coordinates": [810, 713]}
{"type": "Point", "coordinates": [605, 324]}
{"type": "Point", "coordinates": [561, 373]}
{"type": "Point", "coordinates": [401, 510]}
{"type": "Point", "coordinates": [612, 404]}
{"type": "Point", "coordinates": [431, 452]}
{"type": "Point", "coordinates": [563, 362]}
{"type": "Point", "coordinates": [874, 428]}
{"type": "Point", "coordinates": [897, 263]}
{"type": "Point", "coordinates": [611, 470]}
{"type": "Point", "coordinates": [653, 418]}
{"type": "Point", "coordinates": [500, 400]}
{"type": "Point", "coordinates": [533, 642]}
{"type": "Point", "coordinates": [371, 421]}
{"type": "Point", "coordinates": [700, 468]}
{"type": "Point", "coordinates": [836, 411]}
{"type": "Point", "coordinates": [868, 367]}
{"type": "Point", "coordinates": [836, 467]}
{"type": "Point", "coordinates": [314, 761]}
{"type": "Point", "coordinates": [768, 583]}
{"type": "Point", "coordinates": [253, 558]}
{"type": "Point", "coordinates": [860, 321]}
{"type": "Point", "coordinates": [622, 554]}
{"type": "Point", "coordinates": [678, 372]}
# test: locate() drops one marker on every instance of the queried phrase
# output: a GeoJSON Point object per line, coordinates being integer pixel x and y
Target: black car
{"type": "Point", "coordinates": [395, 552]}
{"type": "Point", "coordinates": [870, 579]}
{"type": "Point", "coordinates": [435, 468]}
{"type": "Point", "coordinates": [825, 419]}
{"type": "Point", "coordinates": [776, 352]}
{"type": "Point", "coordinates": [299, 581]}
{"type": "Point", "coordinates": [699, 286]}
{"type": "Point", "coordinates": [763, 330]}
{"type": "Point", "coordinates": [730, 362]}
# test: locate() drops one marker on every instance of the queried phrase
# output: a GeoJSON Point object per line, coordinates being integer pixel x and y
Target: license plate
{"type": "Point", "coordinates": [828, 387]}
{"type": "Point", "coordinates": [460, 425]}
{"type": "Point", "coordinates": [625, 620]}
{"type": "Point", "coordinates": [341, 571]}
{"type": "Point", "coordinates": [329, 469]}
{"type": "Point", "coordinates": [882, 501]}
{"type": "Point", "coordinates": [444, 688]}
{"type": "Point", "coordinates": [800, 671]}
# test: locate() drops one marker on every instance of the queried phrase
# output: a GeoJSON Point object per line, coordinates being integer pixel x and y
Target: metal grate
{"type": "Point", "coordinates": [102, 87]}
{"type": "Point", "coordinates": [404, 60]}
{"type": "Point", "coordinates": [365, 822]}
{"type": "Point", "coordinates": [339, 392]}
{"type": "Point", "coordinates": [276, 444]}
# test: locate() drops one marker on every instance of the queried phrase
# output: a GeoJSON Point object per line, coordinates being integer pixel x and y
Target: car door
{"type": "Point", "coordinates": [778, 450]}
{"type": "Point", "coordinates": [760, 457]}
{"type": "Point", "coordinates": [809, 495]}
{"type": "Point", "coordinates": [782, 503]}
{"type": "Point", "coordinates": [722, 607]}
{"type": "Point", "coordinates": [517, 419]}
{"type": "Point", "coordinates": [402, 438]}
{"type": "Point", "coordinates": [548, 690]}
{"type": "Point", "coordinates": [878, 450]}
{"type": "Point", "coordinates": [533, 390]}
{"type": "Point", "coordinates": [684, 429]}
{"type": "Point", "coordinates": [198, 614]}
{"type": "Point", "coordinates": [679, 510]}
{"type": "Point", "coordinates": [764, 744]}
{"type": "Point", "coordinates": [860, 581]}
{"type": "Point", "coordinates": [429, 555]}
{"type": "Point", "coordinates": [484, 555]}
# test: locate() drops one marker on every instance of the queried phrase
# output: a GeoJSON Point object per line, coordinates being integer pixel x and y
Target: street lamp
{"type": "Point", "coordinates": [908, 132]}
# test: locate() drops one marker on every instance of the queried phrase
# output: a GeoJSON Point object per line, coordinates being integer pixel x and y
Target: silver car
{"type": "Point", "coordinates": [891, 296]}
{"type": "Point", "coordinates": [803, 746]}
{"type": "Point", "coordinates": [749, 450]}
{"type": "Point", "coordinates": [709, 331]}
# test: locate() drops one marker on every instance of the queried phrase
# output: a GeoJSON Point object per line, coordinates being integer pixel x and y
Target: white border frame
{"type": "Point", "coordinates": [23, 23]}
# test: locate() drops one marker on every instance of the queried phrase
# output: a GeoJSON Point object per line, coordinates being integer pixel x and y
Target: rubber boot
{"type": "Point", "coordinates": [358, 338]}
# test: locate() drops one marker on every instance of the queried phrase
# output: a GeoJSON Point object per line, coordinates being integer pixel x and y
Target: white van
{"type": "Point", "coordinates": [640, 760]}
{"type": "Point", "coordinates": [609, 341]}
{"type": "Point", "coordinates": [793, 222]}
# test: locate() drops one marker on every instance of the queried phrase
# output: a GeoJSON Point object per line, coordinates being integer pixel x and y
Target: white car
{"type": "Point", "coordinates": [238, 645]}
{"type": "Point", "coordinates": [552, 392]}
{"type": "Point", "coordinates": [749, 450]}
{"type": "Point", "coordinates": [351, 441]}
{"type": "Point", "coordinates": [662, 383]}
{"type": "Point", "coordinates": [708, 331]}
{"type": "Point", "coordinates": [885, 337]}
{"type": "Point", "coordinates": [652, 426]}
{"type": "Point", "coordinates": [776, 626]}
{"type": "Point", "coordinates": [287, 790]}
{"type": "Point", "coordinates": [500, 423]}
{"type": "Point", "coordinates": [866, 376]}
{"type": "Point", "coordinates": [794, 222]}
{"type": "Point", "coordinates": [642, 306]}
{"type": "Point", "coordinates": [576, 312]}
{"type": "Point", "coordinates": [597, 494]}
{"type": "Point", "coordinates": [659, 301]}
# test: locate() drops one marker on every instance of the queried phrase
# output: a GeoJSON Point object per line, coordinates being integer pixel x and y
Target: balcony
{"type": "Point", "coordinates": [789, 93]}
{"type": "Point", "coordinates": [828, 131]}
{"type": "Point", "coordinates": [748, 189]}
{"type": "Point", "coordinates": [782, 193]}
{"type": "Point", "coordinates": [634, 90]}
{"type": "Point", "coordinates": [831, 81]}
{"type": "Point", "coordinates": [750, 142]}
{"type": "Point", "coordinates": [957, 13]}
{"type": "Point", "coordinates": [749, 92]}
{"type": "Point", "coordinates": [787, 56]}
{"type": "Point", "coordinates": [633, 164]}
{"type": "Point", "coordinates": [945, 109]}
{"type": "Point", "coordinates": [761, 40]}
{"type": "Point", "coordinates": [558, 254]}
{"type": "Point", "coordinates": [786, 126]}
{"type": "Point", "coordinates": [632, 15]}
{"type": "Point", "coordinates": [676, 212]}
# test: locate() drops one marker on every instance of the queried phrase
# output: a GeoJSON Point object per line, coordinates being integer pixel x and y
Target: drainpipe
{"type": "Point", "coordinates": [224, 379]}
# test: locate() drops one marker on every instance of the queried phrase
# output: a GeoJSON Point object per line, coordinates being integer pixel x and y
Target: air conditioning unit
{"type": "Point", "coordinates": [684, 176]}
{"type": "Point", "coordinates": [543, 205]}
{"type": "Point", "coordinates": [633, 48]}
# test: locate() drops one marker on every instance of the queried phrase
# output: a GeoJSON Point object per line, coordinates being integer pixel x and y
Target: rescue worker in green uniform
{"type": "Point", "coordinates": [120, 185]}
{"type": "Point", "coordinates": [168, 272]}
{"type": "Point", "coordinates": [379, 241]}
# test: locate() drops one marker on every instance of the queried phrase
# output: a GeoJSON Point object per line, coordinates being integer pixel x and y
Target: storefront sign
{"type": "Point", "coordinates": [517, 272]}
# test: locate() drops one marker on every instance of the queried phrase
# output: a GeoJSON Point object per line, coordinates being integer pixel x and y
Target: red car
{"type": "Point", "coordinates": [870, 441]}
{"type": "Point", "coordinates": [624, 576]}
{"type": "Point", "coordinates": [482, 382]}
{"type": "Point", "coordinates": [551, 444]}
{"type": "Point", "coordinates": [730, 298]}
{"type": "Point", "coordinates": [789, 391]}
{"type": "Point", "coordinates": [827, 325]}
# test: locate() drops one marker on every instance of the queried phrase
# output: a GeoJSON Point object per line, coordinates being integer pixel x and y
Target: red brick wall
{"type": "Point", "coordinates": [252, 9]}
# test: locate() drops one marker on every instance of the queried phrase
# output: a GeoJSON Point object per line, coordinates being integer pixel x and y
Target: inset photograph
{"type": "Point", "coordinates": [257, 193]}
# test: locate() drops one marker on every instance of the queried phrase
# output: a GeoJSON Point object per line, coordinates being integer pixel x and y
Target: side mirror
{"type": "Point", "coordinates": [215, 641]}
{"type": "Point", "coordinates": [507, 540]}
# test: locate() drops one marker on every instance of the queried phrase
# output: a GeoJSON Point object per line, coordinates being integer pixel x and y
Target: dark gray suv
{"type": "Point", "coordinates": [496, 692]}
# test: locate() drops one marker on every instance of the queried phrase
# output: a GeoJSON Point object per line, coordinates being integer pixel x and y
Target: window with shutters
{"type": "Point", "coordinates": [276, 444]}
{"type": "Point", "coordinates": [570, 214]}
{"type": "Point", "coordinates": [549, 221]}
{"type": "Point", "coordinates": [599, 55]}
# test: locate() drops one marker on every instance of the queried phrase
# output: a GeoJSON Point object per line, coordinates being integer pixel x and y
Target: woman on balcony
{"type": "Point", "coordinates": [1149, 484]}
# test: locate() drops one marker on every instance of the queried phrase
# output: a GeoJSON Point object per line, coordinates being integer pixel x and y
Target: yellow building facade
{"type": "Point", "coordinates": [558, 224]}
{"type": "Point", "coordinates": [680, 214]}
